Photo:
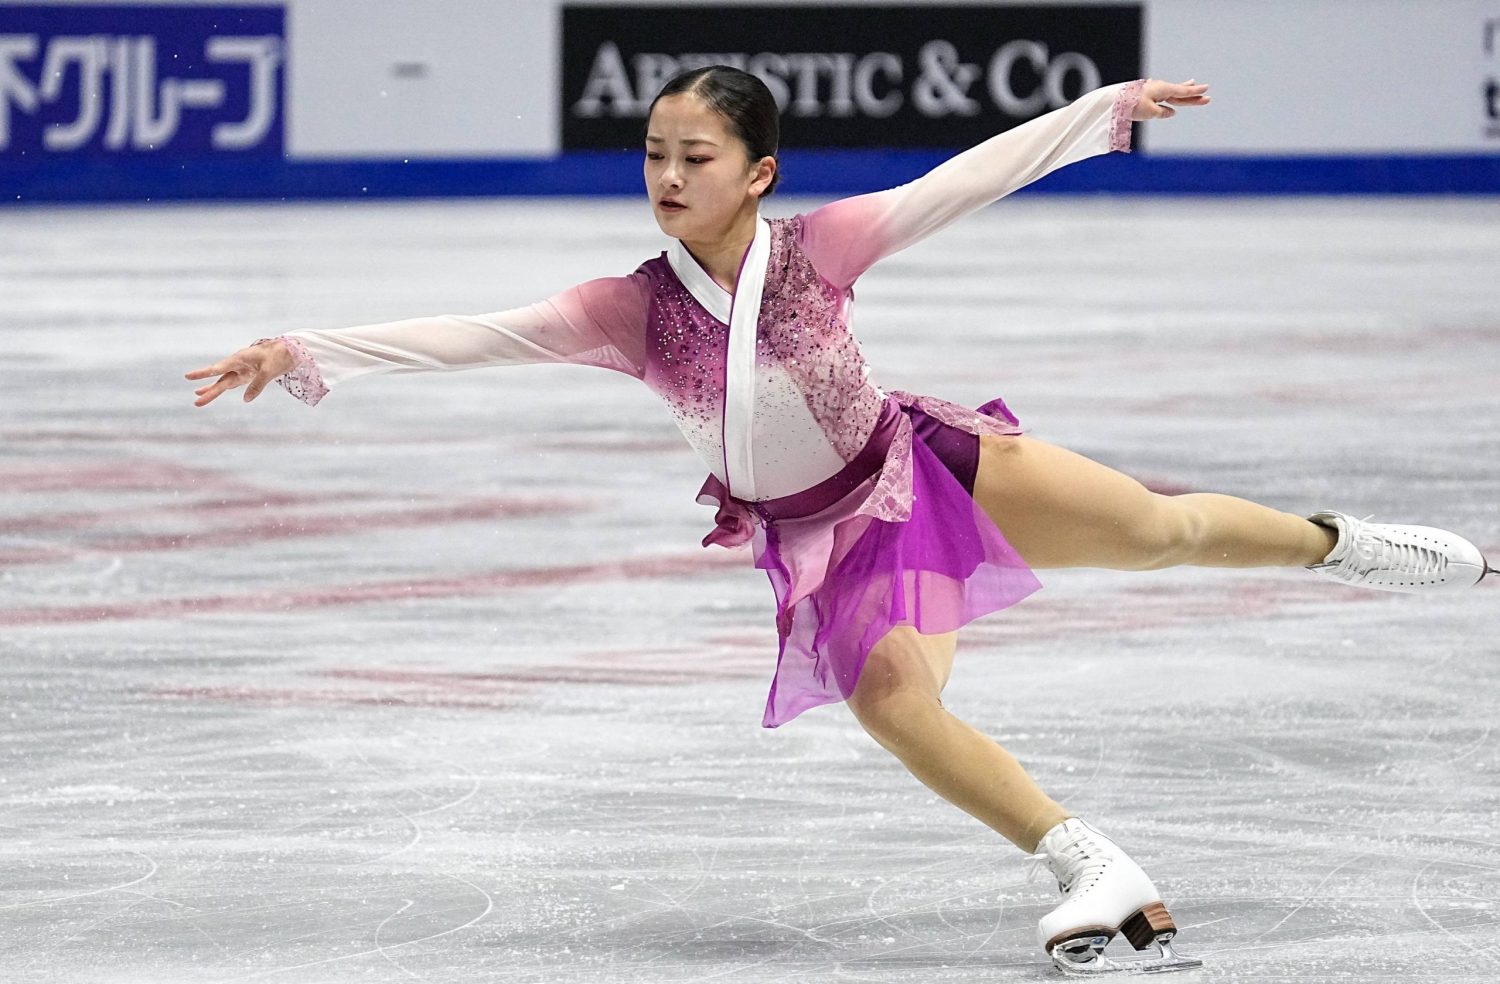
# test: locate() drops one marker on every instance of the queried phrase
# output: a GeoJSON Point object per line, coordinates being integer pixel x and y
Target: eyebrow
{"type": "Point", "coordinates": [693, 140]}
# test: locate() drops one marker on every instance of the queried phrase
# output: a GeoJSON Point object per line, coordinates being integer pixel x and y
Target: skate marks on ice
{"type": "Point", "coordinates": [433, 682]}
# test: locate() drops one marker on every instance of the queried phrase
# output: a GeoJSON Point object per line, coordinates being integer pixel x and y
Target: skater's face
{"type": "Point", "coordinates": [694, 160]}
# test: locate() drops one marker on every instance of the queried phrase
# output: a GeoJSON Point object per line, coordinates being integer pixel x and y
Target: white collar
{"type": "Point", "coordinates": [739, 365]}
{"type": "Point", "coordinates": [705, 290]}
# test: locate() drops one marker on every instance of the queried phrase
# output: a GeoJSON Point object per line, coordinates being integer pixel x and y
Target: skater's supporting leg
{"type": "Point", "coordinates": [898, 702]}
{"type": "Point", "coordinates": [1060, 509]}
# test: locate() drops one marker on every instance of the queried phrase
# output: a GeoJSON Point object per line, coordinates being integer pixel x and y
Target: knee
{"type": "Point", "coordinates": [895, 717]}
{"type": "Point", "coordinates": [1172, 535]}
{"type": "Point", "coordinates": [899, 689]}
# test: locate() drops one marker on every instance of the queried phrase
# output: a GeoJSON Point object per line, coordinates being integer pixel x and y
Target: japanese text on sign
{"type": "Point", "coordinates": [147, 80]}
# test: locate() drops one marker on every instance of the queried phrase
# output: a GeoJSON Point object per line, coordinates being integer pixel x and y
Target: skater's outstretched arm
{"type": "Point", "coordinates": [598, 323]}
{"type": "Point", "coordinates": [844, 238]}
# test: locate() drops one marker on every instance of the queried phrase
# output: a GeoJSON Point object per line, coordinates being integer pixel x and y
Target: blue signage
{"type": "Point", "coordinates": [102, 82]}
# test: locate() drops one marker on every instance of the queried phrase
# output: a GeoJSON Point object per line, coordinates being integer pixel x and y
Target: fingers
{"type": "Point", "coordinates": [231, 379]}
{"type": "Point", "coordinates": [1167, 96]}
{"type": "Point", "coordinates": [1185, 92]}
{"type": "Point", "coordinates": [248, 366]}
{"type": "Point", "coordinates": [206, 371]}
{"type": "Point", "coordinates": [256, 385]}
{"type": "Point", "coordinates": [207, 394]}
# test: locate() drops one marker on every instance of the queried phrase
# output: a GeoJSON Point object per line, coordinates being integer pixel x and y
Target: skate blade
{"type": "Point", "coordinates": [1094, 963]}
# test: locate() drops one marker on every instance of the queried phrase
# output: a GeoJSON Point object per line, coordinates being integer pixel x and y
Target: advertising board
{"type": "Point", "coordinates": [112, 81]}
{"type": "Point", "coordinates": [848, 75]}
{"type": "Point", "coordinates": [134, 100]}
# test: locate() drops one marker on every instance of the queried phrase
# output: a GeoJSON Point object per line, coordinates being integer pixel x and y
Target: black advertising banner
{"type": "Point", "coordinates": [848, 76]}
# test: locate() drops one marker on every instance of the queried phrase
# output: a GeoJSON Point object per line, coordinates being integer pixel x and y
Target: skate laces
{"type": "Point", "coordinates": [1369, 551]}
{"type": "Point", "coordinates": [1076, 860]}
{"type": "Point", "coordinates": [1408, 558]}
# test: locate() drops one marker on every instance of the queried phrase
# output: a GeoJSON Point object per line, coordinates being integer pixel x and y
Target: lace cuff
{"type": "Point", "coordinates": [303, 380]}
{"type": "Point", "coordinates": [1125, 102]}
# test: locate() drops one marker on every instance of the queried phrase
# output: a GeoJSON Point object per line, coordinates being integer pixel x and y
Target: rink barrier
{"type": "Point", "coordinates": [618, 173]}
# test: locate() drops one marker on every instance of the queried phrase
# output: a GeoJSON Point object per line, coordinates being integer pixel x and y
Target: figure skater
{"type": "Point", "coordinates": [884, 520]}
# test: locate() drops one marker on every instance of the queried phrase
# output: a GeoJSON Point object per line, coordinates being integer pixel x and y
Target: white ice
{"type": "Point", "coordinates": [433, 682]}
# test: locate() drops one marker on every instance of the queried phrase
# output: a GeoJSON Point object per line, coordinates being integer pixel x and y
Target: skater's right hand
{"type": "Point", "coordinates": [252, 367]}
{"type": "Point", "coordinates": [1160, 100]}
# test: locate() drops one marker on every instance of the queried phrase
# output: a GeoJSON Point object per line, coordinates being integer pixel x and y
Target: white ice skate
{"type": "Point", "coordinates": [1105, 893]}
{"type": "Point", "coordinates": [1398, 558]}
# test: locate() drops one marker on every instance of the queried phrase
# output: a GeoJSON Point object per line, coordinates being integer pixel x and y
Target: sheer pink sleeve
{"type": "Point", "coordinates": [598, 323]}
{"type": "Point", "coordinates": [846, 237]}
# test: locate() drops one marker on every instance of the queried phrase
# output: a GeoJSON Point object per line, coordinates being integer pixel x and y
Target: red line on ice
{"type": "Point", "coordinates": [221, 438]}
{"type": "Point", "coordinates": [661, 672]}
{"type": "Point", "coordinates": [253, 504]}
{"type": "Point", "coordinates": [678, 565]}
{"type": "Point", "coordinates": [292, 527]}
{"type": "Point", "coordinates": [138, 474]}
{"type": "Point", "coordinates": [287, 696]}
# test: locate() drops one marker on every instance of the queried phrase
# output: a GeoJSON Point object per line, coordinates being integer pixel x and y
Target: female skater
{"type": "Point", "coordinates": [884, 520]}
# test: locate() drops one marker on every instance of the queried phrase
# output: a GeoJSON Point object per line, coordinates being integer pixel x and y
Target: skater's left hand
{"type": "Point", "coordinates": [1155, 97]}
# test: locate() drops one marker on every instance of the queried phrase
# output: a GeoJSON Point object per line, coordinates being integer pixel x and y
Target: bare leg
{"type": "Point", "coordinates": [1060, 509]}
{"type": "Point", "coordinates": [898, 702]}
{"type": "Point", "coordinates": [1057, 509]}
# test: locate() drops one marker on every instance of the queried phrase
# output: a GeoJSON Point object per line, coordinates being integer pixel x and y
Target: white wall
{"type": "Point", "coordinates": [1325, 76]}
{"type": "Point", "coordinates": [432, 78]}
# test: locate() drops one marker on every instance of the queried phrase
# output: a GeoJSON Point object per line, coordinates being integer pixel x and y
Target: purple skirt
{"type": "Point", "coordinates": [843, 580]}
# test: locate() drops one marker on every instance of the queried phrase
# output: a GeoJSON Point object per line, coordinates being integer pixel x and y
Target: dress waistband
{"type": "Point", "coordinates": [866, 463]}
{"type": "Point", "coordinates": [735, 517]}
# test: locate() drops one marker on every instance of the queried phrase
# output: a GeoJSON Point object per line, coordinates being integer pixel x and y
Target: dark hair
{"type": "Point", "coordinates": [743, 100]}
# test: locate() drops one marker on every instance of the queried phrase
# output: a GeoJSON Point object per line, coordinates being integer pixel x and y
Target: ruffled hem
{"type": "Point", "coordinates": [843, 579]}
{"type": "Point", "coordinates": [906, 546]}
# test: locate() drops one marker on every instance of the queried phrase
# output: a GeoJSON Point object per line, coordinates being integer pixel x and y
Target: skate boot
{"type": "Point", "coordinates": [1105, 893]}
{"type": "Point", "coordinates": [1398, 558]}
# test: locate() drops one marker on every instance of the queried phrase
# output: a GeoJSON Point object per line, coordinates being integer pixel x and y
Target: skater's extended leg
{"type": "Point", "coordinates": [897, 700]}
{"type": "Point", "coordinates": [1060, 509]}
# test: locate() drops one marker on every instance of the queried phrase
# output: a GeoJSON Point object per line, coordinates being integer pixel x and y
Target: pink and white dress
{"type": "Point", "coordinates": [853, 499]}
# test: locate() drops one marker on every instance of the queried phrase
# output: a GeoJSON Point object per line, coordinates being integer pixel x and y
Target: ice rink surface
{"type": "Point", "coordinates": [433, 682]}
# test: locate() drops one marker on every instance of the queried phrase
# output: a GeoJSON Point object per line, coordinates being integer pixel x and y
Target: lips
{"type": "Point", "coordinates": [669, 205]}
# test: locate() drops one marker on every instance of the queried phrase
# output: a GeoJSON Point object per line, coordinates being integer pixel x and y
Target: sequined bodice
{"type": "Point", "coordinates": [815, 407]}
{"type": "Point", "coordinates": [686, 350]}
{"type": "Point", "coordinates": [805, 326]}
